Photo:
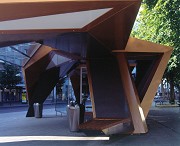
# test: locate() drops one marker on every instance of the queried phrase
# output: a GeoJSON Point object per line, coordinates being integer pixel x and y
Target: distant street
{"type": "Point", "coordinates": [18, 107]}
{"type": "Point", "coordinates": [12, 109]}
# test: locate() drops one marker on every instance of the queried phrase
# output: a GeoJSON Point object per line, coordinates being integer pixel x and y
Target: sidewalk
{"type": "Point", "coordinates": [17, 130]}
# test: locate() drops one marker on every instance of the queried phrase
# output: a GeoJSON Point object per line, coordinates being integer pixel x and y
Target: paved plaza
{"type": "Point", "coordinates": [52, 129]}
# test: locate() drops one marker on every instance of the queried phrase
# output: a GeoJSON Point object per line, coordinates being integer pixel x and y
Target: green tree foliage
{"type": "Point", "coordinates": [9, 77]}
{"type": "Point", "coordinates": [159, 22]}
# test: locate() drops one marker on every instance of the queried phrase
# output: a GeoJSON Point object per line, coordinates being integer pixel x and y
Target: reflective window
{"type": "Point", "coordinates": [18, 54]}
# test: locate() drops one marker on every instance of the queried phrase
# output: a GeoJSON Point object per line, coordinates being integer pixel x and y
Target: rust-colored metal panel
{"type": "Point", "coordinates": [75, 80]}
{"type": "Point", "coordinates": [112, 28]}
{"type": "Point", "coordinates": [11, 43]}
{"type": "Point", "coordinates": [139, 46]}
{"type": "Point", "coordinates": [113, 92]}
{"type": "Point", "coordinates": [155, 81]}
{"type": "Point", "coordinates": [136, 111]}
{"type": "Point", "coordinates": [41, 52]}
{"type": "Point", "coordinates": [146, 65]}
{"type": "Point", "coordinates": [145, 72]}
{"type": "Point", "coordinates": [114, 32]}
{"type": "Point", "coordinates": [45, 84]}
{"type": "Point", "coordinates": [39, 76]}
{"type": "Point", "coordinates": [120, 7]}
{"type": "Point", "coordinates": [102, 124]}
{"type": "Point", "coordinates": [74, 43]}
{"type": "Point", "coordinates": [91, 89]}
{"type": "Point", "coordinates": [11, 10]}
{"type": "Point", "coordinates": [33, 73]}
{"type": "Point", "coordinates": [108, 93]}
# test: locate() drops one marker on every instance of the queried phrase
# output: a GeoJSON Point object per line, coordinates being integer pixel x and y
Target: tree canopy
{"type": "Point", "coordinates": [9, 77]}
{"type": "Point", "coordinates": [159, 21]}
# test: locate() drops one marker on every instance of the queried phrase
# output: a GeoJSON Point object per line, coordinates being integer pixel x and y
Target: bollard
{"type": "Point", "coordinates": [73, 117]}
{"type": "Point", "coordinates": [38, 110]}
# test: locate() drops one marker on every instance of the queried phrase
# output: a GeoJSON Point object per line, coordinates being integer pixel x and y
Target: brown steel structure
{"type": "Point", "coordinates": [120, 102]}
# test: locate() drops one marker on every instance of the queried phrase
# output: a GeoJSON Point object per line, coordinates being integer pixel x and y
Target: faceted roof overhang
{"type": "Point", "coordinates": [25, 21]}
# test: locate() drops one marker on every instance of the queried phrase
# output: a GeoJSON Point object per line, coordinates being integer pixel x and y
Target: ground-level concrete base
{"type": "Point", "coordinates": [163, 125]}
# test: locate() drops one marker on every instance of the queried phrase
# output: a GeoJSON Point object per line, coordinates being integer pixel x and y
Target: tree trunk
{"type": "Point", "coordinates": [168, 89]}
{"type": "Point", "coordinates": [172, 97]}
{"type": "Point", "coordinates": [179, 93]}
{"type": "Point", "coordinates": [162, 89]}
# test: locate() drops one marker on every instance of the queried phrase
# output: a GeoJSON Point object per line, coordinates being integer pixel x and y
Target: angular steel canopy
{"type": "Point", "coordinates": [95, 33]}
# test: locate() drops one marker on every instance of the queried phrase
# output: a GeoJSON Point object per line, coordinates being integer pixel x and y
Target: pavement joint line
{"type": "Point", "coordinates": [166, 126]}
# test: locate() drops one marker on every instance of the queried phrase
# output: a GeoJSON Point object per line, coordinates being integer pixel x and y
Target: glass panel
{"type": "Point", "coordinates": [28, 48]}
{"type": "Point", "coordinates": [11, 56]}
{"type": "Point", "coordinates": [18, 54]}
